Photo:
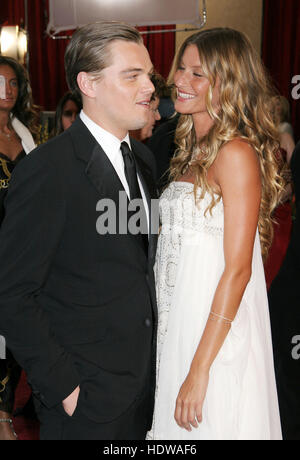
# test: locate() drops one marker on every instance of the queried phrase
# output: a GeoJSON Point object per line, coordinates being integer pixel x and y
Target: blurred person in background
{"type": "Point", "coordinates": [67, 110]}
{"type": "Point", "coordinates": [284, 301]}
{"type": "Point", "coordinates": [154, 115]}
{"type": "Point", "coordinates": [282, 119]}
{"type": "Point", "coordinates": [282, 215]}
{"type": "Point", "coordinates": [17, 123]}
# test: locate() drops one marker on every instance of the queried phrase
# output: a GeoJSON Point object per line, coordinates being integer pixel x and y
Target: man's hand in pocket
{"type": "Point", "coordinates": [70, 403]}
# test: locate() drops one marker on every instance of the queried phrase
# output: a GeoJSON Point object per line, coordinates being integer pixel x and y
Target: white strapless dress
{"type": "Point", "coordinates": [241, 401]}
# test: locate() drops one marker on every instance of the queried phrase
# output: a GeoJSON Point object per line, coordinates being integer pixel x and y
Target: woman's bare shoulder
{"type": "Point", "coordinates": [237, 157]}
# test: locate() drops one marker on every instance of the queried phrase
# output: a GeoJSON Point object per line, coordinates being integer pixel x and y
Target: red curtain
{"type": "Point", "coordinates": [12, 12]}
{"type": "Point", "coordinates": [281, 51]}
{"type": "Point", "coordinates": [161, 47]}
{"type": "Point", "coordinates": [46, 56]}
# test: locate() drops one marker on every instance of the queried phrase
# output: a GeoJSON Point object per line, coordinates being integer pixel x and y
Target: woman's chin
{"type": "Point", "coordinates": [181, 107]}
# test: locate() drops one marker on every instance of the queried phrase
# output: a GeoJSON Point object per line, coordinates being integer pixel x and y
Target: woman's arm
{"type": "Point", "coordinates": [237, 173]}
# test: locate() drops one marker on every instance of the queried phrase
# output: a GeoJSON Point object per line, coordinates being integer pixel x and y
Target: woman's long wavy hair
{"type": "Point", "coordinates": [244, 112]}
{"type": "Point", "coordinates": [23, 109]}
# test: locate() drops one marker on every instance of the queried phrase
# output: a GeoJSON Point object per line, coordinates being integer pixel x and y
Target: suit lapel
{"type": "Point", "coordinates": [103, 176]}
{"type": "Point", "coordinates": [98, 169]}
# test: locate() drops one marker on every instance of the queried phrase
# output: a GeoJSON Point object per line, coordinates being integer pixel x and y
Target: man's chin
{"type": "Point", "coordinates": [137, 126]}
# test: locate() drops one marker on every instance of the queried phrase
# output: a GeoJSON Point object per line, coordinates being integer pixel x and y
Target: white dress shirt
{"type": "Point", "coordinates": [111, 146]}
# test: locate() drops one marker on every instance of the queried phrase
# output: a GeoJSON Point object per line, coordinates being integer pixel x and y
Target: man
{"type": "Point", "coordinates": [78, 306]}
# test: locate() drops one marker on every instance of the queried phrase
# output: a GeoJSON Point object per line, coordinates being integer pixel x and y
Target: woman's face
{"type": "Point", "coordinates": [192, 86]}
{"type": "Point", "coordinates": [11, 88]}
{"type": "Point", "coordinates": [69, 114]}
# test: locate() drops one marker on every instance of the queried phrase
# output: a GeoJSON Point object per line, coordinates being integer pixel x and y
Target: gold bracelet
{"type": "Point", "coordinates": [217, 320]}
{"type": "Point", "coordinates": [225, 320]}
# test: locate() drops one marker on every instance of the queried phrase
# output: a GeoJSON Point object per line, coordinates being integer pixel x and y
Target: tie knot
{"type": "Point", "coordinates": [125, 149]}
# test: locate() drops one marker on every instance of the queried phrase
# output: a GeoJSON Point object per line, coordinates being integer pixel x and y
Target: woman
{"type": "Point", "coordinates": [284, 298]}
{"type": "Point", "coordinates": [17, 118]}
{"type": "Point", "coordinates": [215, 363]}
{"type": "Point", "coordinates": [66, 112]}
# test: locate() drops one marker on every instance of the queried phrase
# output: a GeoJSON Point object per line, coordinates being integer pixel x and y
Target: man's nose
{"type": "Point", "coordinates": [149, 87]}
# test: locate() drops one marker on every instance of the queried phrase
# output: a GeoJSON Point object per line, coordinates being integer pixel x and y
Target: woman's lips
{"type": "Point", "coordinates": [183, 96]}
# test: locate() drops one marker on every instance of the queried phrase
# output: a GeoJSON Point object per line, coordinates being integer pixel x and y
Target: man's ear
{"type": "Point", "coordinates": [86, 84]}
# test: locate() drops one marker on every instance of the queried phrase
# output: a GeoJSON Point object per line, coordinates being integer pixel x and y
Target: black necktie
{"type": "Point", "coordinates": [134, 189]}
{"type": "Point", "coordinates": [130, 171]}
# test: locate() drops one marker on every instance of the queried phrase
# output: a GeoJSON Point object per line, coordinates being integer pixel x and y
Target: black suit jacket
{"type": "Point", "coordinates": [77, 307]}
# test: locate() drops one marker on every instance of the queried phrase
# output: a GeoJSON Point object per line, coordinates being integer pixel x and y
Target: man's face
{"type": "Point", "coordinates": [122, 94]}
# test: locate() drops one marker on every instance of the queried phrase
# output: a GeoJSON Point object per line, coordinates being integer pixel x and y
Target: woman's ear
{"type": "Point", "coordinates": [85, 82]}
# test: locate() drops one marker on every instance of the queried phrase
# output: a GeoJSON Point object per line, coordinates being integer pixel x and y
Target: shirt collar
{"type": "Point", "coordinates": [109, 143]}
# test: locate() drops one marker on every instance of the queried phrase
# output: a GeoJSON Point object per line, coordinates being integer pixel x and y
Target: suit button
{"type": "Point", "coordinates": [147, 322]}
